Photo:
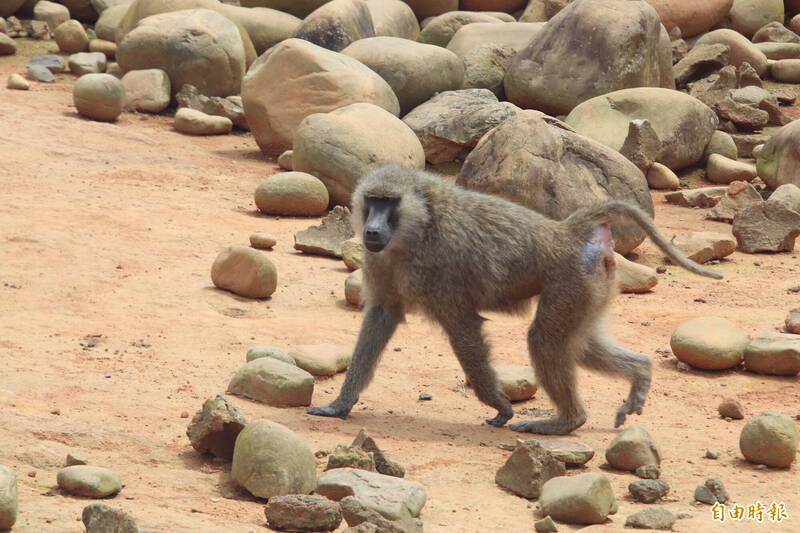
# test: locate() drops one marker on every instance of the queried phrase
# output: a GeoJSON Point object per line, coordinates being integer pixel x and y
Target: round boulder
{"type": "Point", "coordinates": [89, 481]}
{"type": "Point", "coordinates": [271, 460]}
{"type": "Point", "coordinates": [441, 29]}
{"type": "Point", "coordinates": [273, 382]}
{"type": "Point", "coordinates": [147, 90]}
{"type": "Point", "coordinates": [683, 123]}
{"type": "Point", "coordinates": [393, 18]}
{"type": "Point", "coordinates": [341, 146]}
{"type": "Point", "coordinates": [244, 271]}
{"type": "Point", "coordinates": [414, 71]}
{"type": "Point", "coordinates": [709, 343]}
{"type": "Point", "coordinates": [692, 18]}
{"type": "Point", "coordinates": [277, 94]}
{"type": "Point", "coordinates": [747, 16]}
{"type": "Point", "coordinates": [71, 38]}
{"type": "Point", "coordinates": [194, 122]}
{"type": "Point", "coordinates": [292, 193]}
{"type": "Point", "coordinates": [337, 24]}
{"type": "Point", "coordinates": [99, 96]}
{"type": "Point", "coordinates": [198, 47]}
{"type": "Point", "coordinates": [547, 167]}
{"type": "Point", "coordinates": [778, 162]}
{"type": "Point", "coordinates": [770, 439]}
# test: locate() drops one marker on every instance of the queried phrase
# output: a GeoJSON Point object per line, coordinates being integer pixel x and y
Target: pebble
{"type": "Point", "coordinates": [89, 481]}
{"type": "Point", "coordinates": [731, 408]}
{"type": "Point", "coordinates": [263, 240]}
{"type": "Point", "coordinates": [711, 492]}
{"type": "Point", "coordinates": [648, 490]}
{"type": "Point", "coordinates": [73, 459]}
{"type": "Point", "coordinates": [18, 83]}
{"type": "Point", "coordinates": [101, 518]}
{"type": "Point", "coordinates": [712, 454]}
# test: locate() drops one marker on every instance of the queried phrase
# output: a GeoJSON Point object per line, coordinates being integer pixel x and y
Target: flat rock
{"type": "Point", "coordinates": [701, 61]}
{"type": "Point", "coordinates": [101, 518]}
{"type": "Point", "coordinates": [772, 353]}
{"type": "Point", "coordinates": [273, 382]}
{"type": "Point", "coordinates": [704, 246]}
{"type": "Point", "coordinates": [263, 240]}
{"type": "Point", "coordinates": [770, 439]}
{"type": "Point", "coordinates": [357, 514]}
{"type": "Point", "coordinates": [195, 122]}
{"type": "Point", "coordinates": [710, 343]}
{"type": "Point", "coordinates": [648, 490]}
{"type": "Point", "coordinates": [53, 63]}
{"type": "Point", "coordinates": [731, 408]}
{"type": "Point", "coordinates": [271, 460]}
{"type": "Point", "coordinates": [292, 193]}
{"type": "Point", "coordinates": [702, 197]}
{"type": "Point", "coordinates": [257, 352]}
{"type": "Point", "coordinates": [569, 452]}
{"type": "Point", "coordinates": [302, 512]}
{"type": "Point", "coordinates": [766, 227]}
{"type": "Point", "coordinates": [528, 468]}
{"type": "Point", "coordinates": [39, 73]}
{"type": "Point", "coordinates": [632, 448]}
{"type": "Point", "coordinates": [244, 271]}
{"type": "Point", "coordinates": [392, 497]}
{"type": "Point", "coordinates": [739, 195]}
{"type": "Point", "coordinates": [215, 427]}
{"type": "Point", "coordinates": [659, 518]}
{"type": "Point", "coordinates": [89, 481]}
{"type": "Point", "coordinates": [327, 238]}
{"type": "Point", "coordinates": [8, 498]}
{"type": "Point", "coordinates": [321, 359]}
{"type": "Point", "coordinates": [632, 277]}
{"type": "Point", "coordinates": [582, 499]}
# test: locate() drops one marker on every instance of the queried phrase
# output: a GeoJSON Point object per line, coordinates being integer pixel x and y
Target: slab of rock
{"type": "Point", "coordinates": [321, 359]}
{"type": "Point", "coordinates": [746, 142]}
{"type": "Point", "coordinates": [99, 97]}
{"type": "Point", "coordinates": [53, 63]}
{"type": "Point", "coordinates": [327, 238]}
{"type": "Point", "coordinates": [273, 382]}
{"type": "Point", "coordinates": [631, 449]}
{"type": "Point", "coordinates": [87, 63]}
{"type": "Point", "coordinates": [702, 197]}
{"type": "Point", "coordinates": [711, 492]}
{"type": "Point", "coordinates": [451, 123]}
{"type": "Point", "coordinates": [230, 107]}
{"type": "Point", "coordinates": [710, 343]}
{"type": "Point", "coordinates": [582, 499]}
{"type": "Point", "coordinates": [793, 321]}
{"type": "Point", "coordinates": [766, 227]}
{"type": "Point", "coordinates": [383, 464]}
{"type": "Point", "coordinates": [704, 246]}
{"type": "Point", "coordinates": [257, 352]}
{"type": "Point", "coordinates": [353, 253]}
{"type": "Point", "coordinates": [101, 518]}
{"type": "Point", "coordinates": [18, 83]}
{"type": "Point", "coordinates": [89, 481]}
{"type": "Point", "coordinates": [244, 271]}
{"type": "Point", "coordinates": [215, 427]}
{"type": "Point", "coordinates": [528, 468]}
{"type": "Point", "coordinates": [147, 90]}
{"type": "Point", "coordinates": [353, 288]}
{"type": "Point", "coordinates": [195, 122]}
{"type": "Point", "coordinates": [302, 512]}
{"type": "Point", "coordinates": [569, 452]}
{"type": "Point", "coordinates": [701, 61]}
{"type": "Point", "coordinates": [292, 193]}
{"type": "Point", "coordinates": [357, 514]}
{"type": "Point", "coordinates": [731, 408]}
{"type": "Point", "coordinates": [772, 353]}
{"type": "Point", "coordinates": [739, 195]}
{"type": "Point", "coordinates": [8, 498]}
{"type": "Point", "coordinates": [634, 278]}
{"type": "Point", "coordinates": [517, 382]}
{"type": "Point", "coordinates": [659, 518]}
{"type": "Point", "coordinates": [770, 439]}
{"type": "Point", "coordinates": [392, 497]}
{"type": "Point", "coordinates": [648, 490]}
{"type": "Point", "coordinates": [271, 460]}
{"type": "Point", "coordinates": [351, 457]}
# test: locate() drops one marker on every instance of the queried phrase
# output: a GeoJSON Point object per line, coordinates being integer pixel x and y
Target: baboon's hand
{"type": "Point", "coordinates": [633, 405]}
{"type": "Point", "coordinates": [330, 410]}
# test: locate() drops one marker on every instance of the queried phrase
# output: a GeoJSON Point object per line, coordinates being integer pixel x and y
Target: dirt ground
{"type": "Point", "coordinates": [110, 330]}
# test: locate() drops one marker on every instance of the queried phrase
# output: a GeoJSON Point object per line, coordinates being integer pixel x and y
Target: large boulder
{"type": "Point", "coordinates": [592, 47]}
{"type": "Point", "coordinates": [741, 49]}
{"type": "Point", "coordinates": [414, 71]}
{"type": "Point", "coordinates": [341, 146]}
{"type": "Point", "coordinates": [551, 169]}
{"type": "Point", "coordinates": [515, 35]}
{"type": "Point", "coordinates": [298, 8]}
{"type": "Point", "coordinates": [747, 16]}
{"type": "Point", "coordinates": [337, 24]}
{"type": "Point", "coordinates": [692, 18]}
{"type": "Point", "coordinates": [199, 47]}
{"type": "Point", "coordinates": [683, 123]}
{"type": "Point", "coordinates": [265, 27]}
{"type": "Point", "coordinates": [393, 18]}
{"type": "Point", "coordinates": [278, 92]}
{"type": "Point", "coordinates": [778, 163]}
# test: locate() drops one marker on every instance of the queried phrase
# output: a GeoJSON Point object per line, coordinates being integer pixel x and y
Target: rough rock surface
{"type": "Point", "coordinates": [215, 427]}
{"type": "Point", "coordinates": [632, 448]}
{"type": "Point", "coordinates": [392, 497]}
{"type": "Point", "coordinates": [581, 499]}
{"type": "Point", "coordinates": [770, 439]}
{"type": "Point", "coordinates": [302, 512]}
{"type": "Point", "coordinates": [273, 382]}
{"type": "Point", "coordinates": [101, 518]}
{"type": "Point", "coordinates": [528, 468]}
{"type": "Point", "coordinates": [327, 238]}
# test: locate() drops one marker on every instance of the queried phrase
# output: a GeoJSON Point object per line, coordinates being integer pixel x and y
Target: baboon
{"type": "Point", "coordinates": [452, 253]}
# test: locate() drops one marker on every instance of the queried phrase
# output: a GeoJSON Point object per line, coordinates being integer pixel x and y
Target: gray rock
{"type": "Point", "coordinates": [632, 448]}
{"type": "Point", "coordinates": [215, 427]}
{"type": "Point", "coordinates": [257, 352]}
{"type": "Point", "coordinates": [441, 29]}
{"type": "Point", "coordinates": [327, 238]}
{"type": "Point", "coordinates": [731, 408]}
{"type": "Point", "coordinates": [244, 271]}
{"type": "Point", "coordinates": [772, 353]}
{"type": "Point", "coordinates": [351, 457]}
{"type": "Point", "coordinates": [581, 499]}
{"type": "Point", "coordinates": [711, 492]}
{"type": "Point", "coordinates": [147, 90]}
{"type": "Point", "coordinates": [356, 513]}
{"type": "Point", "coordinates": [775, 32]}
{"type": "Point", "coordinates": [652, 518]}
{"type": "Point", "coordinates": [770, 439]}
{"type": "Point", "coordinates": [292, 193]}
{"type": "Point", "coordinates": [273, 382]}
{"type": "Point", "coordinates": [793, 321]}
{"type": "Point", "coordinates": [392, 497]}
{"type": "Point", "coordinates": [745, 142]}
{"type": "Point", "coordinates": [230, 107]}
{"type": "Point", "coordinates": [642, 145]}
{"type": "Point", "coordinates": [89, 481]}
{"type": "Point", "coordinates": [700, 62]}
{"type": "Point", "coordinates": [271, 460]}
{"type": "Point", "coordinates": [570, 453]}
{"type": "Point", "coordinates": [710, 343]}
{"type": "Point", "coordinates": [528, 468]}
{"type": "Point", "coordinates": [51, 62]}
{"type": "Point", "coordinates": [75, 459]}
{"type": "Point", "coordinates": [321, 359]}
{"type": "Point", "coordinates": [712, 454]}
{"type": "Point", "coordinates": [485, 67]}
{"type": "Point", "coordinates": [336, 24]}
{"type": "Point", "coordinates": [739, 195]}
{"type": "Point", "coordinates": [302, 513]}
{"type": "Point", "coordinates": [101, 518]}
{"type": "Point", "coordinates": [777, 163]}
{"type": "Point", "coordinates": [87, 63]}
{"type": "Point", "coordinates": [383, 464]}
{"type": "Point", "coordinates": [787, 195]}
{"type": "Point", "coordinates": [765, 227]}
{"type": "Point", "coordinates": [8, 498]}
{"type": "Point", "coordinates": [649, 471]}
{"type": "Point", "coordinates": [545, 525]}
{"type": "Point", "coordinates": [702, 197]}
{"type": "Point", "coordinates": [747, 76]}
{"type": "Point", "coordinates": [648, 490]}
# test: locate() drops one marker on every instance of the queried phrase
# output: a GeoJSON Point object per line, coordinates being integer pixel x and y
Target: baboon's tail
{"type": "Point", "coordinates": [586, 219]}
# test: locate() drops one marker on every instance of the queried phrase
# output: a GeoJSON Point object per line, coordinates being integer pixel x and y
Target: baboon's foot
{"type": "Point", "coordinates": [549, 426]}
{"type": "Point", "coordinates": [633, 405]}
{"type": "Point", "coordinates": [330, 410]}
{"type": "Point", "coordinates": [499, 420]}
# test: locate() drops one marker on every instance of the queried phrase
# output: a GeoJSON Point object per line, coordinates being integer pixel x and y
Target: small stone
{"type": "Point", "coordinates": [661, 177]}
{"type": "Point", "coordinates": [71, 37]}
{"type": "Point", "coordinates": [392, 497]}
{"type": "Point", "coordinates": [731, 408]}
{"type": "Point", "coordinates": [148, 90]}
{"type": "Point", "coordinates": [258, 352]}
{"type": "Point", "coordinates": [711, 492]}
{"type": "Point", "coordinates": [721, 143]}
{"type": "Point", "coordinates": [352, 288]}
{"type": "Point", "coordinates": [244, 271]}
{"type": "Point", "coordinates": [634, 277]}
{"type": "Point", "coordinates": [87, 63]}
{"type": "Point", "coordinates": [73, 459]}
{"type": "Point", "coordinates": [193, 122]}
{"type": "Point", "coordinates": [793, 321]}
{"type": "Point", "coordinates": [51, 62]}
{"type": "Point", "coordinates": [582, 499]}
{"type": "Point", "coordinates": [18, 83]}
{"type": "Point", "coordinates": [351, 457]}
{"type": "Point", "coordinates": [710, 343]}
{"type": "Point", "coordinates": [263, 240]}
{"type": "Point", "coordinates": [649, 471]}
{"type": "Point", "coordinates": [770, 439]}
{"type": "Point", "coordinates": [322, 359]}
{"type": "Point", "coordinates": [353, 253]}
{"type": "Point", "coordinates": [775, 354]}
{"type": "Point", "coordinates": [652, 518]}
{"type": "Point", "coordinates": [285, 160]}
{"type": "Point", "coordinates": [101, 518]}
{"type": "Point", "coordinates": [569, 452]}
{"type": "Point", "coordinates": [648, 490]}
{"type": "Point", "coordinates": [327, 238]}
{"type": "Point", "coordinates": [99, 97]}
{"type": "Point", "coordinates": [704, 246]}
{"type": "Point", "coordinates": [302, 512]}
{"type": "Point", "coordinates": [89, 481]}
{"type": "Point", "coordinates": [215, 427]}
{"type": "Point", "coordinates": [702, 197]}
{"type": "Point", "coordinates": [8, 498]}
{"type": "Point", "coordinates": [712, 454]}
{"type": "Point", "coordinates": [292, 193]}
{"type": "Point", "coordinates": [425, 397]}
{"type": "Point", "coordinates": [383, 464]}
{"type": "Point", "coordinates": [230, 107]}
{"type": "Point", "coordinates": [545, 525]}
{"type": "Point", "coordinates": [39, 73]}
{"type": "Point", "coordinates": [720, 169]}
{"type": "Point", "coordinates": [631, 449]}
{"type": "Point", "coordinates": [528, 468]}
{"type": "Point", "coordinates": [273, 382]}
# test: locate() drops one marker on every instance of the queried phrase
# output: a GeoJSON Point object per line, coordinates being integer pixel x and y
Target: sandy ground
{"type": "Point", "coordinates": [110, 330]}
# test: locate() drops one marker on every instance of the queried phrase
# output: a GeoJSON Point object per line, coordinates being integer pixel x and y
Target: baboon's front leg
{"type": "Point", "coordinates": [376, 330]}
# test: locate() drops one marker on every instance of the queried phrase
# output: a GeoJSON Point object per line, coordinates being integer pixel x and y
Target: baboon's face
{"type": "Point", "coordinates": [380, 222]}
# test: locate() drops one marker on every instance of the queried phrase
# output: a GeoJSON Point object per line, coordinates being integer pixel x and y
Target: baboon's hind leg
{"type": "Point", "coordinates": [605, 355]}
